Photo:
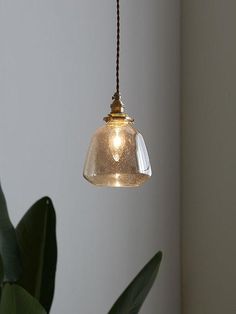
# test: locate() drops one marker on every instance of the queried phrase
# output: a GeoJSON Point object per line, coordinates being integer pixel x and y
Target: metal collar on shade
{"type": "Point", "coordinates": [117, 110]}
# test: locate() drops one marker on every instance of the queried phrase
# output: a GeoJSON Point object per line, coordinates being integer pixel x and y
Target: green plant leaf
{"type": "Point", "coordinates": [1, 271]}
{"type": "Point", "coordinates": [1, 276]}
{"type": "Point", "coordinates": [36, 234]}
{"type": "Point", "coordinates": [133, 297]}
{"type": "Point", "coordinates": [9, 249]}
{"type": "Point", "coordinates": [15, 300]}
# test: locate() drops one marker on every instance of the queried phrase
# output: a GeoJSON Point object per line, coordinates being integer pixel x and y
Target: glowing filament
{"type": "Point", "coordinates": [117, 144]}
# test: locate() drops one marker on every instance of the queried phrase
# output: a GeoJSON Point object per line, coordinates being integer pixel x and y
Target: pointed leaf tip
{"type": "Point", "coordinates": [9, 249]}
{"type": "Point", "coordinates": [36, 234]}
{"type": "Point", "coordinates": [132, 299]}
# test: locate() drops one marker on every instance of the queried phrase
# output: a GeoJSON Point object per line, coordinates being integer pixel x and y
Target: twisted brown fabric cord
{"type": "Point", "coordinates": [118, 49]}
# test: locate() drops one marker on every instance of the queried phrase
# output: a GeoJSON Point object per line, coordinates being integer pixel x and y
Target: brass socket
{"type": "Point", "coordinates": [117, 110]}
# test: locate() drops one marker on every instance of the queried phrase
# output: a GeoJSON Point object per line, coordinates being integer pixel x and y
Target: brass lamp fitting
{"type": "Point", "coordinates": [117, 110]}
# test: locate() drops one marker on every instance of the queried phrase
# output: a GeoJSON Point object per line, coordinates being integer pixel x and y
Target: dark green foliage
{"type": "Point", "coordinates": [1, 271]}
{"type": "Point", "coordinates": [15, 300]}
{"type": "Point", "coordinates": [9, 250]}
{"type": "Point", "coordinates": [28, 256]}
{"type": "Point", "coordinates": [36, 237]}
{"type": "Point", "coordinates": [133, 297]}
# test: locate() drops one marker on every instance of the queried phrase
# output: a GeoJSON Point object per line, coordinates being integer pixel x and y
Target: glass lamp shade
{"type": "Point", "coordinates": [117, 156]}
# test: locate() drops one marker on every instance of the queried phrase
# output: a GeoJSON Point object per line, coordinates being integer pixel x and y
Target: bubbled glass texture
{"type": "Point", "coordinates": [117, 156]}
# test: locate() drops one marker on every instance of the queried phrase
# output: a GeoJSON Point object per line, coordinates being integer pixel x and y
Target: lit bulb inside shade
{"type": "Point", "coordinates": [117, 156]}
{"type": "Point", "coordinates": [116, 143]}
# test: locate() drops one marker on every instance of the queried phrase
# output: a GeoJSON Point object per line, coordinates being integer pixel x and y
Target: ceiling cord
{"type": "Point", "coordinates": [118, 49]}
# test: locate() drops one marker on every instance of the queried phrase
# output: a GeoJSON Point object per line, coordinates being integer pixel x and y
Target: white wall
{"type": "Point", "coordinates": [209, 156]}
{"type": "Point", "coordinates": [57, 79]}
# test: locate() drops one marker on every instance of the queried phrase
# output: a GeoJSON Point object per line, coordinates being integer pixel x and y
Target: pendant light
{"type": "Point", "coordinates": [117, 155]}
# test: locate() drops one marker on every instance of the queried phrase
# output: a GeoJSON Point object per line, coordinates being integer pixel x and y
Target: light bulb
{"type": "Point", "coordinates": [117, 156]}
{"type": "Point", "coordinates": [116, 143]}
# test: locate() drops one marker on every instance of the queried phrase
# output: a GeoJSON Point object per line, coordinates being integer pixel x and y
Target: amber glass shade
{"type": "Point", "coordinates": [117, 156]}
